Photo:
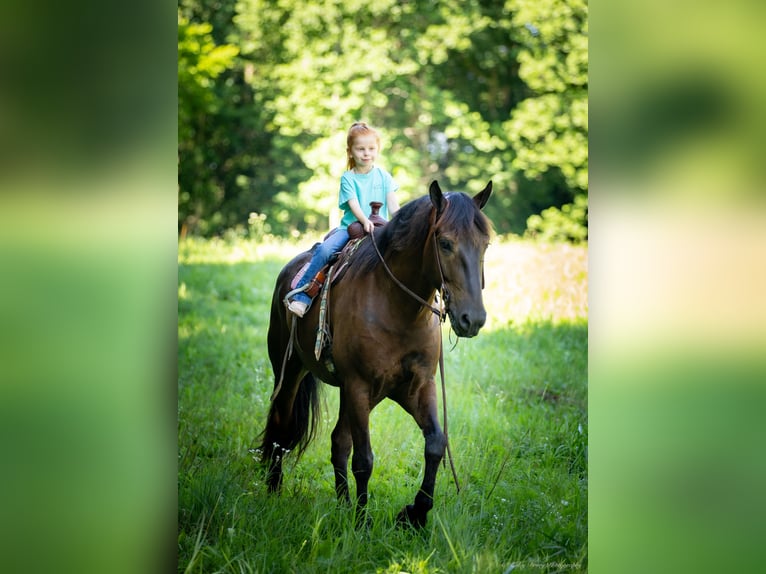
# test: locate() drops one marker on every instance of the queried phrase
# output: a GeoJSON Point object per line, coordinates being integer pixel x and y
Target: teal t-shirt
{"type": "Point", "coordinates": [372, 186]}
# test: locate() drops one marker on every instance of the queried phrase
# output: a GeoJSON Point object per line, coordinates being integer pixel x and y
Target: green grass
{"type": "Point", "coordinates": [517, 396]}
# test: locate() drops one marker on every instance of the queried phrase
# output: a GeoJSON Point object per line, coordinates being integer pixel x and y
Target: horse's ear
{"type": "Point", "coordinates": [437, 197]}
{"type": "Point", "coordinates": [480, 199]}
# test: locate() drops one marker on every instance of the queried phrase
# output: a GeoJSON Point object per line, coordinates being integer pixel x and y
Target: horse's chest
{"type": "Point", "coordinates": [382, 348]}
{"type": "Point", "coordinates": [387, 369]}
{"type": "Point", "coordinates": [393, 347]}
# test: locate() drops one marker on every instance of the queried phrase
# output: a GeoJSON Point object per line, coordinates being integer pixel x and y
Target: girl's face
{"type": "Point", "coordinates": [364, 151]}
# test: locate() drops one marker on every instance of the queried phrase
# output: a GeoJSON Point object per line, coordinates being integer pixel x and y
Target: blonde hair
{"type": "Point", "coordinates": [358, 129]}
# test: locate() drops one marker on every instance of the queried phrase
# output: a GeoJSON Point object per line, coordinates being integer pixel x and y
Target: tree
{"type": "Point", "coordinates": [549, 130]}
{"type": "Point", "coordinates": [461, 90]}
{"type": "Point", "coordinates": [200, 62]}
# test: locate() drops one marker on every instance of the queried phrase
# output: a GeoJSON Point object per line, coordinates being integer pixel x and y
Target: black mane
{"type": "Point", "coordinates": [411, 224]}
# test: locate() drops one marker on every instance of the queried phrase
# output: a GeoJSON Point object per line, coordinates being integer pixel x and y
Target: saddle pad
{"type": "Point", "coordinates": [344, 258]}
{"type": "Point", "coordinates": [299, 275]}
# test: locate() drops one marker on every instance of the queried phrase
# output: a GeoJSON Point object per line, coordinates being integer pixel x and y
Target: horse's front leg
{"type": "Point", "coordinates": [341, 449]}
{"type": "Point", "coordinates": [422, 407]}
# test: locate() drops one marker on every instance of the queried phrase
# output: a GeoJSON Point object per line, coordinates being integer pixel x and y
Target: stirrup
{"type": "Point", "coordinates": [293, 293]}
{"type": "Point", "coordinates": [298, 308]}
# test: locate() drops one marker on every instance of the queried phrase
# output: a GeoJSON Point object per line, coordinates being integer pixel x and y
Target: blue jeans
{"type": "Point", "coordinates": [335, 242]}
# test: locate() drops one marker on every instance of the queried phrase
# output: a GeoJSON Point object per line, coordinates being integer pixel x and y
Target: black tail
{"type": "Point", "coordinates": [294, 413]}
{"type": "Point", "coordinates": [298, 431]}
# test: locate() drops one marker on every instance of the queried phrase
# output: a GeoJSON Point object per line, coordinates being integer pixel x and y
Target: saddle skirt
{"type": "Point", "coordinates": [336, 267]}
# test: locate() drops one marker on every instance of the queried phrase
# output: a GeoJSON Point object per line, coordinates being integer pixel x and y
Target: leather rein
{"type": "Point", "coordinates": [442, 314]}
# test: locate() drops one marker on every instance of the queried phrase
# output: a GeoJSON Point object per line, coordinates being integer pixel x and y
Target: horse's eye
{"type": "Point", "coordinates": [445, 244]}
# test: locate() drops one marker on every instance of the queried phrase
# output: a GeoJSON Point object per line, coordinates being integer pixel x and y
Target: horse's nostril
{"type": "Point", "coordinates": [470, 325]}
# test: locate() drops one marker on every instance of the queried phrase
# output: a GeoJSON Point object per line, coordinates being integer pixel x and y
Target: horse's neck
{"type": "Point", "coordinates": [417, 272]}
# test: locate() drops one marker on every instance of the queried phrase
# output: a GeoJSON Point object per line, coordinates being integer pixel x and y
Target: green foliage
{"type": "Point", "coordinates": [518, 428]}
{"type": "Point", "coordinates": [566, 224]}
{"type": "Point", "coordinates": [551, 127]}
{"type": "Point", "coordinates": [461, 91]}
{"type": "Point", "coordinates": [200, 63]}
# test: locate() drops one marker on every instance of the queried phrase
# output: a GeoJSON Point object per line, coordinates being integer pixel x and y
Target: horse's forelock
{"type": "Point", "coordinates": [463, 217]}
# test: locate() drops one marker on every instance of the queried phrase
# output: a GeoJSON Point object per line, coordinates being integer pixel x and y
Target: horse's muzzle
{"type": "Point", "coordinates": [467, 324]}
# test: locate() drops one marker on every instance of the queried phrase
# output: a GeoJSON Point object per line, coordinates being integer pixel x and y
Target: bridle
{"type": "Point", "coordinates": [443, 293]}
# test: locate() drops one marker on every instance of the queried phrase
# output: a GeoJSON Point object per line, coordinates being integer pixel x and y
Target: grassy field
{"type": "Point", "coordinates": [517, 396]}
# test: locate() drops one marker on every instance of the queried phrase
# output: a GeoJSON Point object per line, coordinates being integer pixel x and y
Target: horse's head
{"type": "Point", "coordinates": [461, 235]}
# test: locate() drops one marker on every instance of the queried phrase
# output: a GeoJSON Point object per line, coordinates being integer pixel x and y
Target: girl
{"type": "Point", "coordinates": [361, 184]}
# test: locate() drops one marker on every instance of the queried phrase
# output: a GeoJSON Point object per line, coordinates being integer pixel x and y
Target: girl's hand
{"type": "Point", "coordinates": [368, 226]}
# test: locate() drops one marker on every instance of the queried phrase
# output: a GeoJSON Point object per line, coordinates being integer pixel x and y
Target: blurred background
{"type": "Point", "coordinates": [463, 92]}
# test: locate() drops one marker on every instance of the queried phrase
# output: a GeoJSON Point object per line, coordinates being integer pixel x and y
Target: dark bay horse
{"type": "Point", "coordinates": [385, 343]}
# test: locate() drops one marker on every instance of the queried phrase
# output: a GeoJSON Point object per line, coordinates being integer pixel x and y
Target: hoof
{"type": "Point", "coordinates": [273, 488]}
{"type": "Point", "coordinates": [410, 517]}
{"type": "Point", "coordinates": [362, 519]}
{"type": "Point", "coordinates": [274, 482]}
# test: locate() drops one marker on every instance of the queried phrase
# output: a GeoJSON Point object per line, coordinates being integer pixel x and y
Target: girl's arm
{"type": "Point", "coordinates": [353, 205]}
{"type": "Point", "coordinates": [392, 203]}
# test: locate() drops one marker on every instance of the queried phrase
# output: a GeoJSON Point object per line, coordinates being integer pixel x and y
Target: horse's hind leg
{"type": "Point", "coordinates": [422, 407]}
{"type": "Point", "coordinates": [357, 409]}
{"type": "Point", "coordinates": [341, 449]}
